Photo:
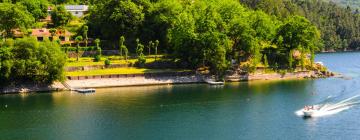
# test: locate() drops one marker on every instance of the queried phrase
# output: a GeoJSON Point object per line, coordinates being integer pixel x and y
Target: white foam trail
{"type": "Point", "coordinates": [331, 108]}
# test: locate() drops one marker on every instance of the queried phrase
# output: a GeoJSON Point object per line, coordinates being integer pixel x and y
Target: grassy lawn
{"type": "Point", "coordinates": [121, 71]}
{"type": "Point", "coordinates": [88, 61]}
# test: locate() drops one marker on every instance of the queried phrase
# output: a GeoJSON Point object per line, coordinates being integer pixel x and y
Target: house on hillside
{"type": "Point", "coordinates": [77, 10]}
{"type": "Point", "coordinates": [43, 33]}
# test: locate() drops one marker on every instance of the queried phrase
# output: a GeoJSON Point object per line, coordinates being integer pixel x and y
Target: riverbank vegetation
{"type": "Point", "coordinates": [219, 35]}
{"type": "Point", "coordinates": [27, 60]}
{"type": "Point", "coordinates": [208, 33]}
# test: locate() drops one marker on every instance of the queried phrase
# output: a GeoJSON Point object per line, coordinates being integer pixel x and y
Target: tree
{"type": "Point", "coordinates": [6, 62]}
{"type": "Point", "coordinates": [59, 16]}
{"type": "Point", "coordinates": [27, 60]}
{"type": "Point", "coordinates": [149, 46]}
{"type": "Point", "coordinates": [85, 34]}
{"type": "Point", "coordinates": [121, 43]}
{"type": "Point", "coordinates": [156, 48]}
{"type": "Point", "coordinates": [98, 48]}
{"type": "Point", "coordinates": [13, 16]}
{"type": "Point", "coordinates": [297, 33]}
{"type": "Point", "coordinates": [52, 33]}
{"type": "Point", "coordinates": [113, 18]}
{"type": "Point", "coordinates": [78, 39]}
{"type": "Point", "coordinates": [123, 48]}
{"type": "Point", "coordinates": [37, 8]}
{"type": "Point", "coordinates": [139, 51]}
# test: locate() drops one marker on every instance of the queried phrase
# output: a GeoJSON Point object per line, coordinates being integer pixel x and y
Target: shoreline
{"type": "Point", "coordinates": [143, 80]}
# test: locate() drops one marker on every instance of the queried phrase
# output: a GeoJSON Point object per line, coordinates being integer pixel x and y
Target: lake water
{"type": "Point", "coordinates": [253, 110]}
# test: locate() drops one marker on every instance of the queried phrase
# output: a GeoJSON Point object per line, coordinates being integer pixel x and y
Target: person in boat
{"type": "Point", "coordinates": [309, 107]}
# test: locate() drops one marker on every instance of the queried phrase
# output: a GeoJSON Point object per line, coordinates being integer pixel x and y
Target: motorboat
{"type": "Point", "coordinates": [214, 82]}
{"type": "Point", "coordinates": [309, 111]}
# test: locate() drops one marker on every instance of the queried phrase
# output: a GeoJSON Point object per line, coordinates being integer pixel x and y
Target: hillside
{"type": "Point", "coordinates": [340, 27]}
{"type": "Point", "coordinates": [352, 3]}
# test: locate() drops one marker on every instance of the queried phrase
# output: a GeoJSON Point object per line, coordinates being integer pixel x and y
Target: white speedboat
{"type": "Point", "coordinates": [309, 111]}
{"type": "Point", "coordinates": [214, 82]}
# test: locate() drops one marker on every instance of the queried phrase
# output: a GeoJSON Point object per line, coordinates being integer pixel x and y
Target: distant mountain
{"type": "Point", "coordinates": [352, 3]}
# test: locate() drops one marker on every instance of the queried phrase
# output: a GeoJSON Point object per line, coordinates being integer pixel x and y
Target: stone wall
{"type": "Point", "coordinates": [146, 75]}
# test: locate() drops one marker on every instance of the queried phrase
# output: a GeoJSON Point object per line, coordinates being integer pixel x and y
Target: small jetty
{"type": "Point", "coordinates": [87, 90]}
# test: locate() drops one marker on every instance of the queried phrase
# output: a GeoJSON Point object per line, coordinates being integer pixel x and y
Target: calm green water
{"type": "Point", "coordinates": [254, 110]}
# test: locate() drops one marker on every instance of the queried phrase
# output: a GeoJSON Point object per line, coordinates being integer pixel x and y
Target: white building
{"type": "Point", "coordinates": [77, 10]}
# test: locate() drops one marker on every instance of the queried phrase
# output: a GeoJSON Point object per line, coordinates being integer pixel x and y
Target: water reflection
{"type": "Point", "coordinates": [244, 110]}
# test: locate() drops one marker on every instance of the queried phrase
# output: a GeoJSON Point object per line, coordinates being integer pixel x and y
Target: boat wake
{"type": "Point", "coordinates": [328, 107]}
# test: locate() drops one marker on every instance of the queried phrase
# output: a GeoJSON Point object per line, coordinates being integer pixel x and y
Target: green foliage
{"type": "Point", "coordinates": [208, 33]}
{"type": "Point", "coordinates": [123, 48]}
{"type": "Point", "coordinates": [297, 33]}
{"type": "Point", "coordinates": [78, 39]}
{"type": "Point", "coordinates": [13, 16]}
{"type": "Point", "coordinates": [107, 62]}
{"type": "Point", "coordinates": [52, 31]}
{"type": "Point", "coordinates": [85, 34]}
{"type": "Point", "coordinates": [98, 48]}
{"type": "Point", "coordinates": [113, 18]}
{"type": "Point", "coordinates": [339, 26]}
{"type": "Point", "coordinates": [266, 62]}
{"type": "Point", "coordinates": [60, 17]}
{"type": "Point", "coordinates": [139, 51]}
{"type": "Point", "coordinates": [97, 58]}
{"type": "Point", "coordinates": [37, 8]}
{"type": "Point", "coordinates": [28, 60]}
{"type": "Point", "coordinates": [155, 45]}
{"type": "Point", "coordinates": [347, 3]}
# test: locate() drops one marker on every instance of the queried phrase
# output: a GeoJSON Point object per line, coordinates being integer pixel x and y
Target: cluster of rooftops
{"type": "Point", "coordinates": [60, 34]}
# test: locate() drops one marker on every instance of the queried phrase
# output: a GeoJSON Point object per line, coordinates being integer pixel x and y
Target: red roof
{"type": "Point", "coordinates": [40, 32]}
{"type": "Point", "coordinates": [45, 32]}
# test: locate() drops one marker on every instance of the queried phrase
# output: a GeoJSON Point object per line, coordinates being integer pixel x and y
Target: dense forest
{"type": "Point", "coordinates": [352, 3]}
{"type": "Point", "coordinates": [219, 34]}
{"type": "Point", "coordinates": [340, 27]}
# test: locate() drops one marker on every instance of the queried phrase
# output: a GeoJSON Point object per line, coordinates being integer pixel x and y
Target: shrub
{"type": "Point", "coordinates": [97, 58]}
{"type": "Point", "coordinates": [107, 62]}
{"type": "Point", "coordinates": [141, 61]}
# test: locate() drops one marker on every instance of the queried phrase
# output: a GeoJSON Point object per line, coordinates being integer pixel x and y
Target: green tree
{"type": "Point", "coordinates": [123, 48]}
{"type": "Point", "coordinates": [85, 34]}
{"type": "Point", "coordinates": [52, 33]}
{"type": "Point", "coordinates": [37, 8]}
{"type": "Point", "coordinates": [139, 51]}
{"type": "Point", "coordinates": [29, 60]}
{"type": "Point", "coordinates": [121, 43]}
{"type": "Point", "coordinates": [297, 33]}
{"type": "Point", "coordinates": [98, 48]}
{"type": "Point", "coordinates": [6, 62]}
{"type": "Point", "coordinates": [149, 46]}
{"type": "Point", "coordinates": [156, 48]}
{"type": "Point", "coordinates": [13, 16]}
{"type": "Point", "coordinates": [113, 18]}
{"type": "Point", "coordinates": [78, 39]}
{"type": "Point", "coordinates": [59, 16]}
